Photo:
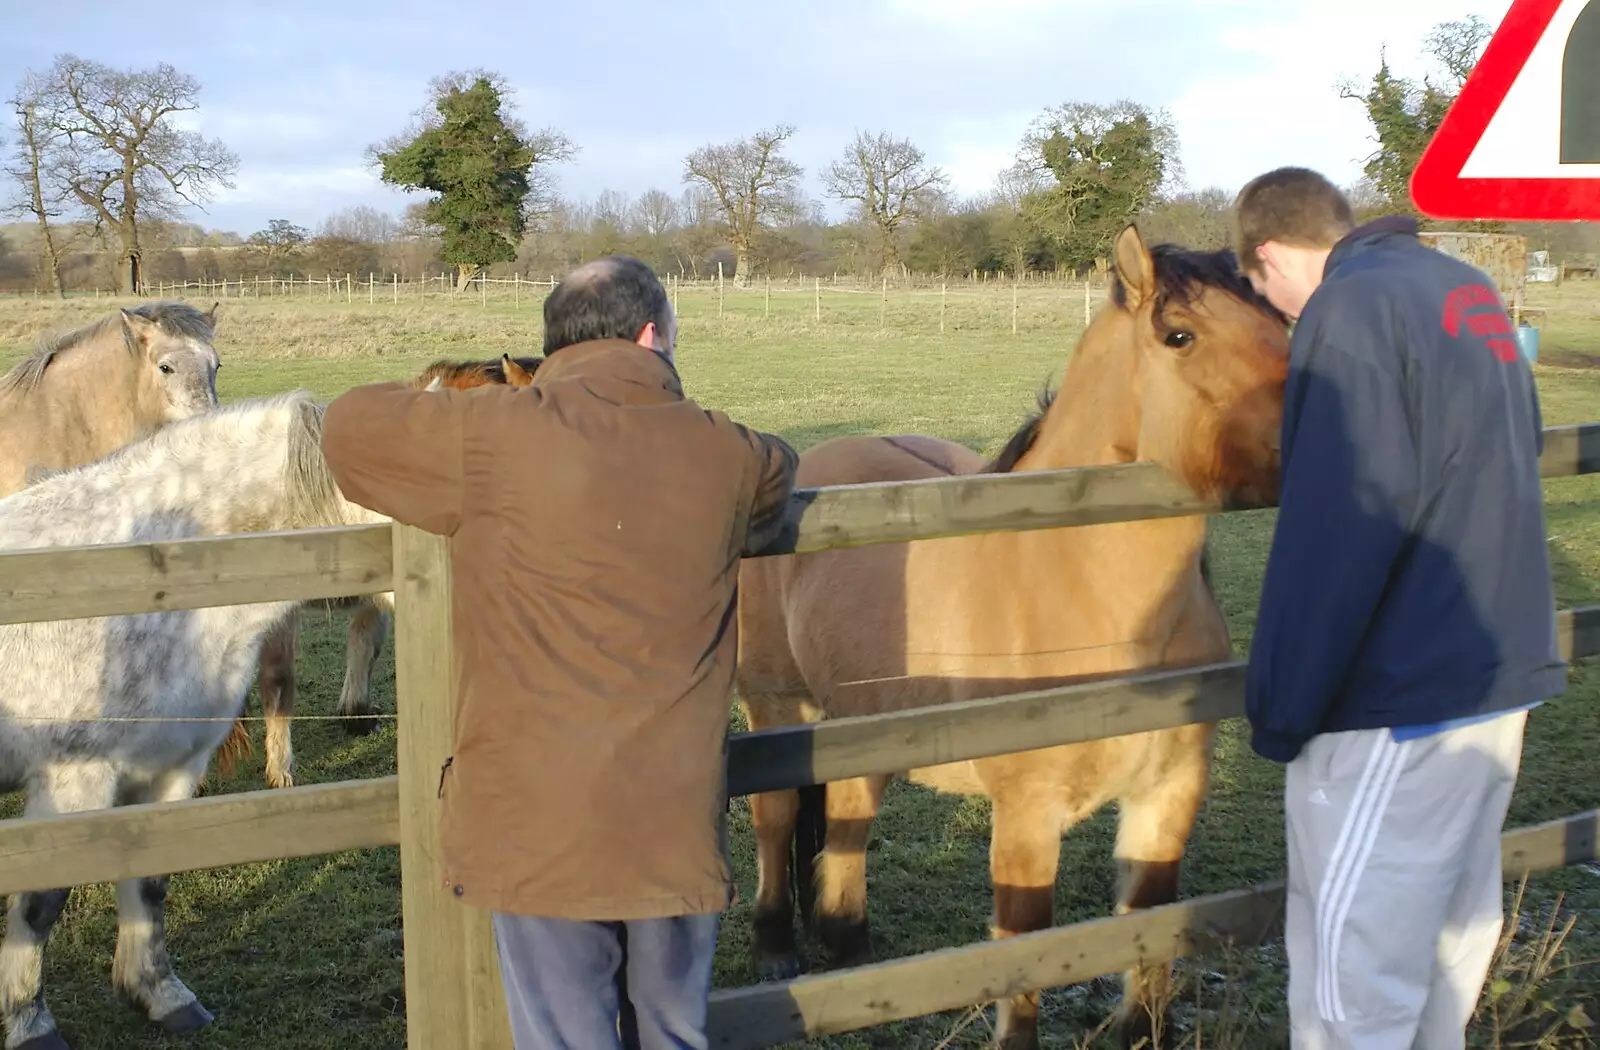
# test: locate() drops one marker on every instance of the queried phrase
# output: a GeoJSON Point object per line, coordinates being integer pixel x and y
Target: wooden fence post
{"type": "Point", "coordinates": [454, 999]}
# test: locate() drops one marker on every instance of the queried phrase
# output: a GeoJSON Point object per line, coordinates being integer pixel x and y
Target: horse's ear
{"type": "Point", "coordinates": [211, 314]}
{"type": "Point", "coordinates": [1135, 268]}
{"type": "Point", "coordinates": [516, 375]}
{"type": "Point", "coordinates": [138, 325]}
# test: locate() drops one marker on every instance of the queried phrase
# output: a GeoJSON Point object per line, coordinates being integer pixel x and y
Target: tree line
{"type": "Point", "coordinates": [101, 174]}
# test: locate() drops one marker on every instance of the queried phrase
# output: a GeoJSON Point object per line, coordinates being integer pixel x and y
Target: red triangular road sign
{"type": "Point", "coordinates": [1533, 102]}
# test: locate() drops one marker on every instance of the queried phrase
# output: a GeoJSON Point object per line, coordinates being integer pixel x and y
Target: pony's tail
{"type": "Point", "coordinates": [810, 836]}
{"type": "Point", "coordinates": [235, 747]}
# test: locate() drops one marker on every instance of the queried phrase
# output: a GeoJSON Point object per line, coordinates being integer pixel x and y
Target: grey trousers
{"type": "Point", "coordinates": [635, 985]}
{"type": "Point", "coordinates": [1395, 897]}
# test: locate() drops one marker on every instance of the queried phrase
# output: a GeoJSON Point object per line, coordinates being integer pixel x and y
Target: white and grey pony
{"type": "Point", "coordinates": [93, 711]}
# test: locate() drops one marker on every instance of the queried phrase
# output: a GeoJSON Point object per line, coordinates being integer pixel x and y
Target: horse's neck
{"type": "Point", "coordinates": [87, 405]}
{"type": "Point", "coordinates": [1139, 567]}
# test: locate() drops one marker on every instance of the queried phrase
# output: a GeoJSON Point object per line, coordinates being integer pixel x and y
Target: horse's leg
{"type": "Point", "coordinates": [70, 787]}
{"type": "Point", "coordinates": [275, 681]}
{"type": "Point", "coordinates": [1153, 829]}
{"type": "Point", "coordinates": [369, 625]}
{"type": "Point", "coordinates": [841, 911]}
{"type": "Point", "coordinates": [1024, 855]}
{"type": "Point", "coordinates": [774, 952]}
{"type": "Point", "coordinates": [141, 970]}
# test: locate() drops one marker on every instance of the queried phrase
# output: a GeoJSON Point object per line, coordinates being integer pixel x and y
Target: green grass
{"type": "Point", "coordinates": [305, 954]}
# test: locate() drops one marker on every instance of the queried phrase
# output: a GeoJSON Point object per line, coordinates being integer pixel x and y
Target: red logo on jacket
{"type": "Point", "coordinates": [1465, 305]}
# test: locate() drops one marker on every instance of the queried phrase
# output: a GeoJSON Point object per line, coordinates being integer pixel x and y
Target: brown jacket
{"type": "Point", "coordinates": [597, 519]}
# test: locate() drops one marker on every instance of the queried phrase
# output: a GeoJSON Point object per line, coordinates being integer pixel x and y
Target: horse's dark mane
{"type": "Point", "coordinates": [1181, 275]}
{"type": "Point", "coordinates": [1023, 439]}
{"type": "Point", "coordinates": [494, 370]}
{"type": "Point", "coordinates": [173, 318]}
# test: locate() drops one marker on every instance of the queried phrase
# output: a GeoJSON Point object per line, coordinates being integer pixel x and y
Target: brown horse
{"type": "Point", "coordinates": [369, 624]}
{"type": "Point", "coordinates": [90, 391]}
{"type": "Point", "coordinates": [1184, 366]}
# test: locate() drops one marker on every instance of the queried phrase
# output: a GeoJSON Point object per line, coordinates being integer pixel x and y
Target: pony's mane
{"type": "Point", "coordinates": [173, 318]}
{"type": "Point", "coordinates": [493, 370]}
{"type": "Point", "coordinates": [1181, 275]}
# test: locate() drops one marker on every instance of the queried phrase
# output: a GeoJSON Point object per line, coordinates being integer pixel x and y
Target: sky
{"type": "Point", "coordinates": [300, 89]}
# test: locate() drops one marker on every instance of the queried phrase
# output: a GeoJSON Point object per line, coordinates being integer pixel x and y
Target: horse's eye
{"type": "Point", "coordinates": [166, 369]}
{"type": "Point", "coordinates": [1179, 339]}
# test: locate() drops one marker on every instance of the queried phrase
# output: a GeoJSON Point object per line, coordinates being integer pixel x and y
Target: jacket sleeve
{"type": "Point", "coordinates": [398, 451]}
{"type": "Point", "coordinates": [1347, 501]}
{"type": "Point", "coordinates": [775, 463]}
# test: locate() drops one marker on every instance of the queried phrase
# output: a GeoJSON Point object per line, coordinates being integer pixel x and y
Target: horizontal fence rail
{"type": "Point", "coordinates": [65, 583]}
{"type": "Point", "coordinates": [57, 583]}
{"type": "Point", "coordinates": [245, 827]}
{"type": "Point", "coordinates": [953, 978]}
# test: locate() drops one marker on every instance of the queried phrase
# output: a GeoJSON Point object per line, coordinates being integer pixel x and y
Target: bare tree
{"type": "Point", "coordinates": [1456, 46]}
{"type": "Point", "coordinates": [749, 180]}
{"type": "Point", "coordinates": [655, 214]}
{"type": "Point", "coordinates": [124, 157]}
{"type": "Point", "coordinates": [40, 194]}
{"type": "Point", "coordinates": [362, 224]}
{"type": "Point", "coordinates": [887, 179]}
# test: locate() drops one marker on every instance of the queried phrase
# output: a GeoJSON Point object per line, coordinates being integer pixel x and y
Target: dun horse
{"type": "Point", "coordinates": [126, 709]}
{"type": "Point", "coordinates": [97, 388]}
{"type": "Point", "coordinates": [276, 680]}
{"type": "Point", "coordinates": [1185, 367]}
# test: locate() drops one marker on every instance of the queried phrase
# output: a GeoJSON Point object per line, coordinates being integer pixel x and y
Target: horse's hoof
{"type": "Point", "coordinates": [189, 1018]}
{"type": "Point", "coordinates": [1020, 1041]}
{"type": "Point", "coordinates": [847, 941]}
{"type": "Point", "coordinates": [48, 1041]}
{"type": "Point", "coordinates": [361, 726]}
{"type": "Point", "coordinates": [777, 968]}
{"type": "Point", "coordinates": [1027, 1039]}
{"type": "Point", "coordinates": [1137, 1032]}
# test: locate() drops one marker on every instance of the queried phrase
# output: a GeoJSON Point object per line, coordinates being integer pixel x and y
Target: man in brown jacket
{"type": "Point", "coordinates": [597, 519]}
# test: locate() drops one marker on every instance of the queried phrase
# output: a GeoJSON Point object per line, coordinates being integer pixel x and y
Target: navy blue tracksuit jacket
{"type": "Point", "coordinates": [1408, 583]}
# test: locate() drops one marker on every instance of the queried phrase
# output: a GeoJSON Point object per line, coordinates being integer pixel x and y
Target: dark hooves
{"type": "Point", "coordinates": [1138, 1033]}
{"type": "Point", "coordinates": [777, 968]}
{"type": "Point", "coordinates": [49, 1041]}
{"type": "Point", "coordinates": [361, 726]}
{"type": "Point", "coordinates": [189, 1018]}
{"type": "Point", "coordinates": [847, 942]}
{"type": "Point", "coordinates": [1021, 1040]}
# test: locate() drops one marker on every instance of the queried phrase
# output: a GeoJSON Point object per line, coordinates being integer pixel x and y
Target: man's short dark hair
{"type": "Point", "coordinates": [1294, 206]}
{"type": "Point", "coordinates": [609, 298]}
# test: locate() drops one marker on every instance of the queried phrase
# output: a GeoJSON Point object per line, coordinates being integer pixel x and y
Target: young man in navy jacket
{"type": "Point", "coordinates": [1407, 622]}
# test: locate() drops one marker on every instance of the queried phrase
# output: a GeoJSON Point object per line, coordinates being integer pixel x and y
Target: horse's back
{"type": "Point", "coordinates": [781, 597]}
{"type": "Point", "coordinates": [859, 459]}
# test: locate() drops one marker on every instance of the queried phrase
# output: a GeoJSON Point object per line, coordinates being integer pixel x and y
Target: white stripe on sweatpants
{"type": "Point", "coordinates": [1360, 834]}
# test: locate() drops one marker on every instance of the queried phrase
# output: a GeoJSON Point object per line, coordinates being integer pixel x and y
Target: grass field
{"type": "Point", "coordinates": [305, 954]}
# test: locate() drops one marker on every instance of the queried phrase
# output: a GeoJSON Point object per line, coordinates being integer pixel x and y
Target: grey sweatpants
{"type": "Point", "coordinates": [1395, 898]}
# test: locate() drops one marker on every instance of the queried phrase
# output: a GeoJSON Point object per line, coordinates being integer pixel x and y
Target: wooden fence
{"type": "Point", "coordinates": [453, 998]}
